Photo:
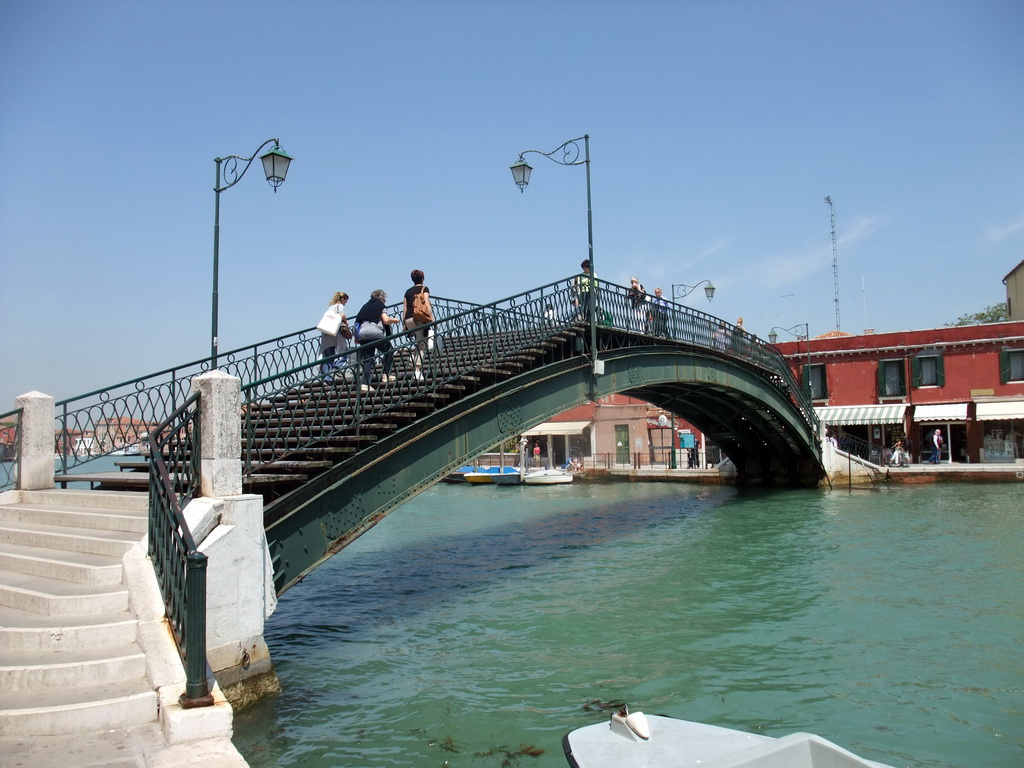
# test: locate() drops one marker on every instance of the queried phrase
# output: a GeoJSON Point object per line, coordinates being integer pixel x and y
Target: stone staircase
{"type": "Point", "coordinates": [70, 659]}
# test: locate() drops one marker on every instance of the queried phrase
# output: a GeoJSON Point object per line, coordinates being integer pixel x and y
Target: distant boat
{"type": "Point", "coordinates": [128, 450]}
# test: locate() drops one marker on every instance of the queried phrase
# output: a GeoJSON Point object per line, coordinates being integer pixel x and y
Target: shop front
{"type": "Point", "coordinates": [1002, 429]}
{"type": "Point", "coordinates": [951, 419]}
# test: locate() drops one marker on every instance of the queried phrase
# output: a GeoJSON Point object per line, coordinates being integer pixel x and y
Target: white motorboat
{"type": "Point", "coordinates": [546, 477]}
{"type": "Point", "coordinates": [654, 741]}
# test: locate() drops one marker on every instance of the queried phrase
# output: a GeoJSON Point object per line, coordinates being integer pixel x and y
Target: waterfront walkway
{"type": "Point", "coordinates": [914, 474]}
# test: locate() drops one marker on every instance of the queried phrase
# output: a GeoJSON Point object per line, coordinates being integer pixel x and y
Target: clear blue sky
{"type": "Point", "coordinates": [717, 129]}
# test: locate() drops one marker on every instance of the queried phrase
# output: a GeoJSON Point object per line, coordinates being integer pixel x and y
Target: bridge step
{"type": "Point", "coordinates": [294, 466]}
{"type": "Point", "coordinates": [70, 662]}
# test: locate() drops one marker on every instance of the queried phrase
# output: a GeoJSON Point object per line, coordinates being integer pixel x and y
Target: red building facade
{"type": "Point", "coordinates": [967, 381]}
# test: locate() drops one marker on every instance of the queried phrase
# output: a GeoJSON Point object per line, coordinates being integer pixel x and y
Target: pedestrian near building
{"type": "Point", "coordinates": [937, 442]}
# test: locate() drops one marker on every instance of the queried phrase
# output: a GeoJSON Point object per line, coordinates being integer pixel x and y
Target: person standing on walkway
{"type": "Point", "coordinates": [418, 313]}
{"type": "Point", "coordinates": [936, 446]}
{"type": "Point", "coordinates": [371, 320]}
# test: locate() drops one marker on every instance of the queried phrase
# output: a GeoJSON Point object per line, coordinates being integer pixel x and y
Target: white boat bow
{"type": "Point", "coordinates": [634, 740]}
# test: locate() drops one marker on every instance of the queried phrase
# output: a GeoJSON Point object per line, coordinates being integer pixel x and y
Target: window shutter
{"type": "Point", "coordinates": [940, 371]}
{"type": "Point", "coordinates": [1004, 366]}
{"type": "Point", "coordinates": [881, 378]}
{"type": "Point", "coordinates": [915, 372]}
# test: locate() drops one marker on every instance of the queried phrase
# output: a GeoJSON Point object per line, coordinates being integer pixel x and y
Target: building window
{"type": "Point", "coordinates": [1011, 365]}
{"type": "Point", "coordinates": [891, 381]}
{"type": "Point", "coordinates": [818, 381]}
{"type": "Point", "coordinates": [927, 371]}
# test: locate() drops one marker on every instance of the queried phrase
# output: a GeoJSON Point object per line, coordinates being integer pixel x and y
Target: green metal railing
{"type": "Point", "coordinates": [10, 447]}
{"type": "Point", "coordinates": [476, 338]}
{"type": "Point", "coordinates": [174, 480]}
{"type": "Point", "coordinates": [120, 416]}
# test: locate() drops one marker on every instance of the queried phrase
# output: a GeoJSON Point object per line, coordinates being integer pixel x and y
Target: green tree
{"type": "Point", "coordinates": [997, 313]}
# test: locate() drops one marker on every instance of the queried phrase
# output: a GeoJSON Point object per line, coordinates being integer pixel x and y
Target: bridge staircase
{"type": "Point", "coordinates": [299, 432]}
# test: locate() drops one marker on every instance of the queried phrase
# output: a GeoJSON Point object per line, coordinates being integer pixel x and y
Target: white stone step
{"type": "Point", "coordinates": [75, 517]}
{"type": "Point", "coordinates": [107, 500]}
{"type": "Point", "coordinates": [76, 567]}
{"type": "Point", "coordinates": [50, 597]}
{"type": "Point", "coordinates": [97, 542]}
{"type": "Point", "coordinates": [81, 709]}
{"type": "Point", "coordinates": [27, 631]}
{"type": "Point", "coordinates": [37, 670]}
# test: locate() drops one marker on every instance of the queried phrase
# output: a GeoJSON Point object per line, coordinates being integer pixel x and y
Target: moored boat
{"type": "Point", "coordinates": [546, 477]}
{"type": "Point", "coordinates": [459, 475]}
{"type": "Point", "coordinates": [491, 474]}
{"type": "Point", "coordinates": [656, 741]}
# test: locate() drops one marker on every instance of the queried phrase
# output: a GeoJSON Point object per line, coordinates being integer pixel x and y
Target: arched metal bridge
{"type": "Point", "coordinates": [493, 372]}
{"type": "Point", "coordinates": [331, 459]}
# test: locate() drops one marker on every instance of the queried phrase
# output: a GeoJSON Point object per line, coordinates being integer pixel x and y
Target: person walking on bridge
{"type": "Point", "coordinates": [338, 343]}
{"type": "Point", "coordinates": [418, 313]}
{"type": "Point", "coordinates": [371, 321]}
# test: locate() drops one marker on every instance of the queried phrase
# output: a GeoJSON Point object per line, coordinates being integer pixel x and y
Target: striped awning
{"type": "Point", "coordinates": [941, 412]}
{"type": "Point", "coordinates": [558, 428]}
{"type": "Point", "coordinates": [841, 415]}
{"type": "Point", "coordinates": [1005, 409]}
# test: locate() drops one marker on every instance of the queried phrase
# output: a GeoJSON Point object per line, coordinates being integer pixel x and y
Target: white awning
{"type": "Point", "coordinates": [1006, 409]}
{"type": "Point", "coordinates": [941, 412]}
{"type": "Point", "coordinates": [841, 415]}
{"type": "Point", "coordinates": [558, 428]}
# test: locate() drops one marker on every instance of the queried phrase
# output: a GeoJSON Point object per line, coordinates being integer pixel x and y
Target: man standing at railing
{"type": "Point", "coordinates": [584, 285]}
{"type": "Point", "coordinates": [659, 310]}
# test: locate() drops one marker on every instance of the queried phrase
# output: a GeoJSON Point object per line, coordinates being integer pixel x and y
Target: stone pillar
{"type": "Point", "coordinates": [220, 408]}
{"type": "Point", "coordinates": [35, 456]}
{"type": "Point", "coordinates": [228, 528]}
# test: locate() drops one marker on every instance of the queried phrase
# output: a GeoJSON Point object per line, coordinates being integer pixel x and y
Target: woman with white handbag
{"type": "Point", "coordinates": [334, 332]}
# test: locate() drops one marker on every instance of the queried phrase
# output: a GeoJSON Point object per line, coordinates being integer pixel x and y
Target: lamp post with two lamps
{"type": "Point", "coordinates": [275, 167]}
{"type": "Point", "coordinates": [568, 153]}
{"type": "Point", "coordinates": [794, 331]}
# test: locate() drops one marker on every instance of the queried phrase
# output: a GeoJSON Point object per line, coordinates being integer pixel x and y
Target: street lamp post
{"type": "Point", "coordinates": [773, 337]}
{"type": "Point", "coordinates": [570, 155]}
{"type": "Point", "coordinates": [275, 167]}
{"type": "Point", "coordinates": [681, 290]}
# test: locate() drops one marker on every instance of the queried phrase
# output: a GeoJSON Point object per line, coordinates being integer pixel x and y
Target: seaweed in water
{"type": "Point", "coordinates": [510, 758]}
{"type": "Point", "coordinates": [599, 704]}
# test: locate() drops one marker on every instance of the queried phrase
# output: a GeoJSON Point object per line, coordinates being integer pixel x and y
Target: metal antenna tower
{"type": "Point", "coordinates": [835, 257]}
